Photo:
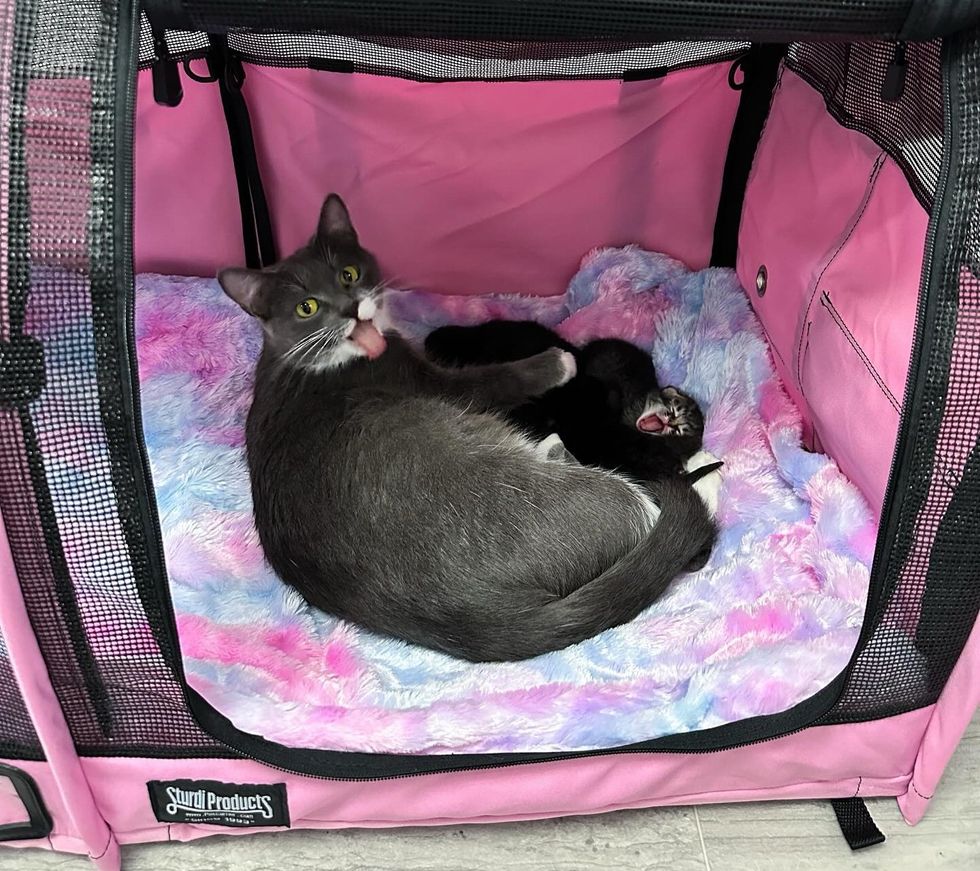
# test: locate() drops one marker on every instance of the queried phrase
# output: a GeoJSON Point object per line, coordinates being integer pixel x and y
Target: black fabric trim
{"type": "Point", "coordinates": [856, 825]}
{"type": "Point", "coordinates": [928, 18]}
{"type": "Point", "coordinates": [760, 68]}
{"type": "Point", "coordinates": [39, 820]}
{"type": "Point", "coordinates": [575, 19]}
{"type": "Point", "coordinates": [260, 245]}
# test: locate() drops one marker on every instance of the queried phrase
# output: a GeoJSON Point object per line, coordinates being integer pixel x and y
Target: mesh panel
{"type": "Point", "coordinates": [180, 44]}
{"type": "Point", "coordinates": [430, 59]}
{"type": "Point", "coordinates": [435, 60]}
{"type": "Point", "coordinates": [929, 572]}
{"type": "Point", "coordinates": [68, 492]}
{"type": "Point", "coordinates": [850, 76]}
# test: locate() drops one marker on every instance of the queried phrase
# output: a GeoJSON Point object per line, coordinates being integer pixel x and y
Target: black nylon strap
{"type": "Point", "coordinates": [856, 825]}
{"type": "Point", "coordinates": [760, 68]}
{"type": "Point", "coordinates": [260, 245]}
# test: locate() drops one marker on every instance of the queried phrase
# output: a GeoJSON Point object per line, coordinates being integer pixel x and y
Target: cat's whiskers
{"type": "Point", "coordinates": [304, 342]}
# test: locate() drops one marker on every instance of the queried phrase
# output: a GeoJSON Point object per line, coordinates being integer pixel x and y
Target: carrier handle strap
{"type": "Point", "coordinates": [856, 825]}
{"type": "Point", "coordinates": [760, 71]}
{"type": "Point", "coordinates": [225, 67]}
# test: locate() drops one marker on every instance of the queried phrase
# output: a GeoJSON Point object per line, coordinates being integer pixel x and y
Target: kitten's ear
{"type": "Point", "coordinates": [335, 220]}
{"type": "Point", "coordinates": [246, 287]}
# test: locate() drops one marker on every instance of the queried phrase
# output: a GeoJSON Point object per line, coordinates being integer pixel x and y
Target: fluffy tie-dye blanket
{"type": "Point", "coordinates": [772, 619]}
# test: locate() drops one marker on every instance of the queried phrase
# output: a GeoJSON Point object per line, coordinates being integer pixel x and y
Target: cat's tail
{"type": "Point", "coordinates": [680, 541]}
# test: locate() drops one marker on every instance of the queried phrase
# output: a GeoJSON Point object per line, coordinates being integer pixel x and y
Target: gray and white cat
{"type": "Point", "coordinates": [391, 492]}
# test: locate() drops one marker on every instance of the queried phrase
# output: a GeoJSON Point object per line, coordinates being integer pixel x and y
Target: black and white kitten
{"type": "Point", "coordinates": [393, 492]}
{"type": "Point", "coordinates": [613, 413]}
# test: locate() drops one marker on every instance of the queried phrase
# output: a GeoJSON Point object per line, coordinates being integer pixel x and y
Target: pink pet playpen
{"type": "Point", "coordinates": [156, 683]}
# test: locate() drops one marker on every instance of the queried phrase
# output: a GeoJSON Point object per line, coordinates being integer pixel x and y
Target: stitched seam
{"type": "Point", "coordinates": [825, 301]}
{"type": "Point", "coordinates": [875, 173]}
{"type": "Point", "coordinates": [857, 791]}
{"type": "Point", "coordinates": [919, 794]}
{"type": "Point", "coordinates": [108, 843]}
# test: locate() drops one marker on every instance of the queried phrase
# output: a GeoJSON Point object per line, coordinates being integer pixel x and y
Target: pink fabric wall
{"type": "Point", "coordinates": [463, 187]}
{"type": "Point", "coordinates": [868, 759]}
{"type": "Point", "coordinates": [842, 238]}
{"type": "Point", "coordinates": [956, 707]}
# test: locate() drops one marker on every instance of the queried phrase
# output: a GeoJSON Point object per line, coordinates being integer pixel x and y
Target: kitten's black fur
{"type": "Point", "coordinates": [596, 413]}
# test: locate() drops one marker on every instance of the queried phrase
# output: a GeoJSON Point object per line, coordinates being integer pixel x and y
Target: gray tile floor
{"type": "Point", "coordinates": [783, 836]}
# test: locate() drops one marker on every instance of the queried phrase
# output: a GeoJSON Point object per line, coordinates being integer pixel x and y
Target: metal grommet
{"type": "Point", "coordinates": [761, 280]}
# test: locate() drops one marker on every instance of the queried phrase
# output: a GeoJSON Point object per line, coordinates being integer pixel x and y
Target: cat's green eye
{"type": "Point", "coordinates": [349, 276]}
{"type": "Point", "coordinates": [307, 308]}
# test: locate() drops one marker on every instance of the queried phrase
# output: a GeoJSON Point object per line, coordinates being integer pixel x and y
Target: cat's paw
{"type": "Point", "coordinates": [569, 367]}
{"type": "Point", "coordinates": [548, 370]}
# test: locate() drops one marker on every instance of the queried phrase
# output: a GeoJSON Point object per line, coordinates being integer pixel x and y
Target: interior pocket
{"type": "Point", "coordinates": [856, 334]}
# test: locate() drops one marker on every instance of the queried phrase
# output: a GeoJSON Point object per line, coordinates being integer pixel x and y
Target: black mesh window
{"type": "Point", "coordinates": [17, 737]}
{"type": "Point", "coordinates": [69, 467]}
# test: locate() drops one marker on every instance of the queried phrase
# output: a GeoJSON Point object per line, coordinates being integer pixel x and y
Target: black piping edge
{"type": "Point", "coordinates": [257, 235]}
{"type": "Point", "coordinates": [760, 68]}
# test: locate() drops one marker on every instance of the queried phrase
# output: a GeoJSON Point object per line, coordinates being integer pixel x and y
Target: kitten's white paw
{"type": "Point", "coordinates": [708, 487]}
{"type": "Point", "coordinates": [570, 367]}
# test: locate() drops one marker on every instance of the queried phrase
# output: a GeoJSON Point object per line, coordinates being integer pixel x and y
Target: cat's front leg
{"type": "Point", "coordinates": [507, 385]}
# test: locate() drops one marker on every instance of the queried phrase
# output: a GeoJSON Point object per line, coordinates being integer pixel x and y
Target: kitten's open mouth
{"type": "Point", "coordinates": [653, 423]}
{"type": "Point", "coordinates": [368, 338]}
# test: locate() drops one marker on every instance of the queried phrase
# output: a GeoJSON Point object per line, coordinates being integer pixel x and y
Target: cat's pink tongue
{"type": "Point", "coordinates": [650, 423]}
{"type": "Point", "coordinates": [367, 337]}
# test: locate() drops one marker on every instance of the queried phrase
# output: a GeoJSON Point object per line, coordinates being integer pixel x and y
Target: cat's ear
{"type": "Point", "coordinates": [335, 220]}
{"type": "Point", "coordinates": [246, 287]}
